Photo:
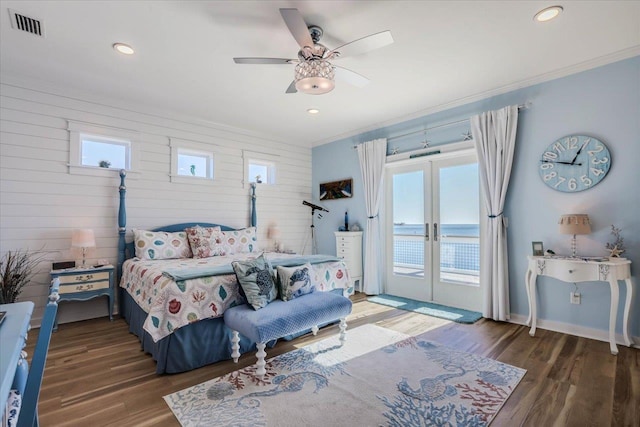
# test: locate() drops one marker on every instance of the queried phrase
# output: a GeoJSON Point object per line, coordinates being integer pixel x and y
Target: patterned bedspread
{"type": "Point", "coordinates": [171, 305]}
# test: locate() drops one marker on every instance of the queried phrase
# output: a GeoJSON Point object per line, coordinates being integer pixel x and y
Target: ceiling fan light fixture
{"type": "Point", "coordinates": [315, 76]}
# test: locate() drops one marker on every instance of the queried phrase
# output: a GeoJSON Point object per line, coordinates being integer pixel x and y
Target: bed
{"type": "Point", "coordinates": [175, 306]}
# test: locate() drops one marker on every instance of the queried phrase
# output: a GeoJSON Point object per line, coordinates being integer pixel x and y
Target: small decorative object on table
{"type": "Point", "coordinates": [617, 247]}
{"type": "Point", "coordinates": [537, 248]}
{"type": "Point", "coordinates": [346, 221]}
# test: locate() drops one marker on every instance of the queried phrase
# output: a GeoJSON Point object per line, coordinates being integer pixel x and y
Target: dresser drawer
{"type": "Point", "coordinates": [84, 287]}
{"type": "Point", "coordinates": [84, 277]}
{"type": "Point", "coordinates": [346, 244]}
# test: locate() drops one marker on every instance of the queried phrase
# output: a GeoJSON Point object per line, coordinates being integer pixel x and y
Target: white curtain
{"type": "Point", "coordinates": [372, 156]}
{"type": "Point", "coordinates": [494, 135]}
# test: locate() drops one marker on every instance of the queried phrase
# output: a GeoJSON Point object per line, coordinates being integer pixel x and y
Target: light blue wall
{"type": "Point", "coordinates": [604, 103]}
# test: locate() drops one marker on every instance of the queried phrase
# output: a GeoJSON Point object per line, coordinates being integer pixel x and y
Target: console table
{"type": "Point", "coordinates": [579, 270]}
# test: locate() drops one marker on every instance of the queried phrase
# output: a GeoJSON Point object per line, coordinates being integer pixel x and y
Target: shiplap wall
{"type": "Point", "coordinates": [41, 203]}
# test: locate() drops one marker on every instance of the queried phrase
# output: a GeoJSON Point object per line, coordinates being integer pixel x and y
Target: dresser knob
{"type": "Point", "coordinates": [570, 271]}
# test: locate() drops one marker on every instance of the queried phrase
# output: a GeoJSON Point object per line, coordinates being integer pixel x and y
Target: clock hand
{"type": "Point", "coordinates": [562, 163]}
{"type": "Point", "coordinates": [578, 152]}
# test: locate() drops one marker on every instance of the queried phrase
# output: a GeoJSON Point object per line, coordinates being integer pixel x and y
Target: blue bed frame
{"type": "Point", "coordinates": [190, 347]}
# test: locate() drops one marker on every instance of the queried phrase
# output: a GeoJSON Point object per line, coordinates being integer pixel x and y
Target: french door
{"type": "Point", "coordinates": [432, 230]}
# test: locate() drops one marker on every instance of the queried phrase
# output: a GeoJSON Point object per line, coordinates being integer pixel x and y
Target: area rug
{"type": "Point", "coordinates": [431, 309]}
{"type": "Point", "coordinates": [378, 377]}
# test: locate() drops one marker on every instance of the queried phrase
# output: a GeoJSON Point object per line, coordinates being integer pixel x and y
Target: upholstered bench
{"type": "Point", "coordinates": [280, 318]}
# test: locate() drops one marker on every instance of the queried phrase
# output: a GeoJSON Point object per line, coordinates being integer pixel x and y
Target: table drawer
{"type": "Point", "coordinates": [571, 271]}
{"type": "Point", "coordinates": [84, 287]}
{"type": "Point", "coordinates": [84, 277]}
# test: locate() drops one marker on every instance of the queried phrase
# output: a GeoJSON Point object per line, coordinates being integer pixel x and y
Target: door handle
{"type": "Point", "coordinates": [435, 231]}
{"type": "Point", "coordinates": [426, 231]}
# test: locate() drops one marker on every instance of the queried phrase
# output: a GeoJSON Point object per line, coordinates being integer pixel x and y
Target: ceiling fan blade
{"type": "Point", "coordinates": [292, 88]}
{"type": "Point", "coordinates": [351, 77]}
{"type": "Point", "coordinates": [297, 26]}
{"type": "Point", "coordinates": [264, 61]}
{"type": "Point", "coordinates": [364, 45]}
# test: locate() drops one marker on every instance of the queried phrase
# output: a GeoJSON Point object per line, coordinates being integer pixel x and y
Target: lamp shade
{"type": "Point", "coordinates": [575, 224]}
{"type": "Point", "coordinates": [273, 232]}
{"type": "Point", "coordinates": [83, 238]}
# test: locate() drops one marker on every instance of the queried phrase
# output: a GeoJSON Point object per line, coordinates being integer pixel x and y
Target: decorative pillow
{"type": "Point", "coordinates": [256, 279]}
{"type": "Point", "coordinates": [294, 281]}
{"type": "Point", "coordinates": [205, 241]}
{"type": "Point", "coordinates": [161, 244]}
{"type": "Point", "coordinates": [240, 241]}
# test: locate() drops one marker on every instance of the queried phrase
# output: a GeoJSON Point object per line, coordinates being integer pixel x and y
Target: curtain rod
{"type": "Point", "coordinates": [524, 106]}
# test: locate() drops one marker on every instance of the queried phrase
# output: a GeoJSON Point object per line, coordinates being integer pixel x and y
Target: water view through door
{"type": "Point", "coordinates": [433, 236]}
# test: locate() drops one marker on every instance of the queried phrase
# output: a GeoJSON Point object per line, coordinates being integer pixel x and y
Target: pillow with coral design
{"type": "Point", "coordinates": [205, 241]}
{"type": "Point", "coordinates": [161, 244]}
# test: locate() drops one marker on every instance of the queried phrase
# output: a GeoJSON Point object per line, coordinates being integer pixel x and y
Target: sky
{"type": "Point", "coordinates": [459, 196]}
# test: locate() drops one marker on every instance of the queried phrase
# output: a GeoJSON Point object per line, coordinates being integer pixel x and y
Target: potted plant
{"type": "Point", "coordinates": [16, 270]}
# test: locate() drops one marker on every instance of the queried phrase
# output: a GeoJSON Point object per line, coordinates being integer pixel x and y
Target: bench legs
{"type": "Point", "coordinates": [260, 364]}
{"type": "Point", "coordinates": [343, 330]}
{"type": "Point", "coordinates": [261, 354]}
{"type": "Point", "coordinates": [235, 346]}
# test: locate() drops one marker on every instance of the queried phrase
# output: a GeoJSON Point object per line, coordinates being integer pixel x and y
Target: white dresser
{"type": "Point", "coordinates": [349, 248]}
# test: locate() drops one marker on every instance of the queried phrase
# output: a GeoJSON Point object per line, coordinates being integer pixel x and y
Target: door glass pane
{"type": "Point", "coordinates": [408, 224]}
{"type": "Point", "coordinates": [459, 224]}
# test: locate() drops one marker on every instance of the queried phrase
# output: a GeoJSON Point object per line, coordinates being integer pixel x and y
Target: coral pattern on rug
{"type": "Point", "coordinates": [378, 376]}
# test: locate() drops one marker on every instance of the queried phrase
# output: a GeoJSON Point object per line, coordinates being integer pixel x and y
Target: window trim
{"type": "Point", "coordinates": [105, 134]}
{"type": "Point", "coordinates": [263, 159]}
{"type": "Point", "coordinates": [196, 148]}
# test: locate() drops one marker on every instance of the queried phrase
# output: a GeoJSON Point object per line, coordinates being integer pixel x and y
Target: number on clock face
{"type": "Point", "coordinates": [574, 163]}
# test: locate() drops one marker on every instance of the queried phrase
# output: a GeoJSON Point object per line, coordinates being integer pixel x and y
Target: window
{"type": "Point", "coordinates": [259, 168]}
{"type": "Point", "coordinates": [99, 150]}
{"type": "Point", "coordinates": [104, 152]}
{"type": "Point", "coordinates": [191, 161]}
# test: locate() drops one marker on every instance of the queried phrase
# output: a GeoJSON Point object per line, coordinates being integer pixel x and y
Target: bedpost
{"type": "Point", "coordinates": [122, 226]}
{"type": "Point", "coordinates": [254, 219]}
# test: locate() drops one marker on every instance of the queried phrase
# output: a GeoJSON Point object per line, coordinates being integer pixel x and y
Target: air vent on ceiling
{"type": "Point", "coordinates": [24, 23]}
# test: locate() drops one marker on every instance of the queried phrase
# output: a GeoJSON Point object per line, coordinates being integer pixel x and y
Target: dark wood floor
{"type": "Point", "coordinates": [96, 374]}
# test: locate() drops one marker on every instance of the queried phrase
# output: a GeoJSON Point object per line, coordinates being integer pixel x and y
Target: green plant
{"type": "Point", "coordinates": [104, 164]}
{"type": "Point", "coordinates": [16, 270]}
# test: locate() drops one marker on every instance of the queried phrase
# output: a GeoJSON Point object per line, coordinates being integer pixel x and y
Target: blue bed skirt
{"type": "Point", "coordinates": [191, 347]}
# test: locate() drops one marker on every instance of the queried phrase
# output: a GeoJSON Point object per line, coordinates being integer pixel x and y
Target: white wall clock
{"type": "Point", "coordinates": [574, 163]}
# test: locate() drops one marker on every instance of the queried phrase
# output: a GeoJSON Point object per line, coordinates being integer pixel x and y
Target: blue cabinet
{"type": "Point", "coordinates": [82, 284]}
{"type": "Point", "coordinates": [13, 335]}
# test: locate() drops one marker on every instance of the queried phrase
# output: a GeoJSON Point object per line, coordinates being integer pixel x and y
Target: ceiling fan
{"type": "Point", "coordinates": [314, 73]}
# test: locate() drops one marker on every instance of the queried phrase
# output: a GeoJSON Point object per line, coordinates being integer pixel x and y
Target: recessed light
{"type": "Point", "coordinates": [548, 13]}
{"type": "Point", "coordinates": [123, 48]}
{"type": "Point", "coordinates": [313, 111]}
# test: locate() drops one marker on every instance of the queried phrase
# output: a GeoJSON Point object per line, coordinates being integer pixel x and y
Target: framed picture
{"type": "Point", "coordinates": [538, 250]}
{"type": "Point", "coordinates": [336, 189]}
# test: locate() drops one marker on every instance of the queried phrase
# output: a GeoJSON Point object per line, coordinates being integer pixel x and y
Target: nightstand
{"type": "Point", "coordinates": [82, 284]}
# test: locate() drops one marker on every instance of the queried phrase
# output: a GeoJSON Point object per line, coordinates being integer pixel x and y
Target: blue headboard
{"type": "Point", "coordinates": [126, 250]}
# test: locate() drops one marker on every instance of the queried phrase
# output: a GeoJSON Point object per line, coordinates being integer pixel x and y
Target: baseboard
{"type": "Point", "coordinates": [570, 329]}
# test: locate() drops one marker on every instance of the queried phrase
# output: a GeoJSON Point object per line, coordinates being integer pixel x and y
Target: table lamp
{"type": "Point", "coordinates": [273, 234]}
{"type": "Point", "coordinates": [84, 239]}
{"type": "Point", "coordinates": [574, 224]}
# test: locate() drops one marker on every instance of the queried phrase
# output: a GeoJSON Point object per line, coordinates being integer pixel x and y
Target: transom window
{"type": "Point", "coordinates": [99, 150]}
{"type": "Point", "coordinates": [191, 161]}
{"type": "Point", "coordinates": [105, 152]}
{"type": "Point", "coordinates": [259, 168]}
